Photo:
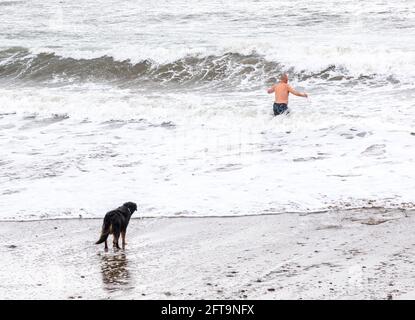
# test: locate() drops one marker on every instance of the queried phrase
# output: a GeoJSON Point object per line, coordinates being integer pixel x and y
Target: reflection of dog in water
{"type": "Point", "coordinates": [115, 223]}
{"type": "Point", "coordinates": [115, 270]}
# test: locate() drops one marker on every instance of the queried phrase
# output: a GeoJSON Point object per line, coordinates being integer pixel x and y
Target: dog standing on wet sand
{"type": "Point", "coordinates": [115, 223]}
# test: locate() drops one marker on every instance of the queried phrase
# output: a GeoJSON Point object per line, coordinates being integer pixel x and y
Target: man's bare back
{"type": "Point", "coordinates": [282, 90]}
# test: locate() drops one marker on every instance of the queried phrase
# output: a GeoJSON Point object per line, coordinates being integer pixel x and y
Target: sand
{"type": "Point", "coordinates": [366, 254]}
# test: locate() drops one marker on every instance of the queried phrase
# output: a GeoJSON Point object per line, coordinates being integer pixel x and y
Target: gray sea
{"type": "Point", "coordinates": [164, 103]}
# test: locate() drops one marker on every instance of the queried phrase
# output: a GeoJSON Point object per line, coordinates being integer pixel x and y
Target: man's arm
{"type": "Point", "coordinates": [296, 93]}
{"type": "Point", "coordinates": [272, 89]}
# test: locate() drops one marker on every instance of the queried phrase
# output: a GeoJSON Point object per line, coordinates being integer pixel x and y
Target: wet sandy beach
{"type": "Point", "coordinates": [333, 255]}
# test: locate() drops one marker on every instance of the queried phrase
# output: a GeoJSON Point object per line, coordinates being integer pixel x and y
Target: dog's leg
{"type": "Point", "coordinates": [116, 237]}
{"type": "Point", "coordinates": [123, 238]}
{"type": "Point", "coordinates": [106, 245]}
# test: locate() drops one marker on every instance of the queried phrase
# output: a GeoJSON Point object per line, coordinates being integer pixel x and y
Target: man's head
{"type": "Point", "coordinates": [284, 78]}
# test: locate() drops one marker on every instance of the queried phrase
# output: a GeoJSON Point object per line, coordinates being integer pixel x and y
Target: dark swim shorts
{"type": "Point", "coordinates": [280, 108]}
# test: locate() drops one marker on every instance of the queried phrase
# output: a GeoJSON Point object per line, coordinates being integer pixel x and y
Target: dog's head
{"type": "Point", "coordinates": [131, 206]}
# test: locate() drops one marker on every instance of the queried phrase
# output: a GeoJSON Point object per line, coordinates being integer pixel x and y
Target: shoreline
{"type": "Point", "coordinates": [138, 217]}
{"type": "Point", "coordinates": [364, 254]}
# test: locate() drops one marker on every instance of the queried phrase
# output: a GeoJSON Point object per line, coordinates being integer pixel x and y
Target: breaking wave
{"type": "Point", "coordinates": [225, 70]}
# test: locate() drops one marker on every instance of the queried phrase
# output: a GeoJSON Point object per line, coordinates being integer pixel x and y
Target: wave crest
{"type": "Point", "coordinates": [229, 69]}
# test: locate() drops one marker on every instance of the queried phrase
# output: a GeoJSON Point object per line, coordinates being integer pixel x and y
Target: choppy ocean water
{"type": "Point", "coordinates": [164, 104]}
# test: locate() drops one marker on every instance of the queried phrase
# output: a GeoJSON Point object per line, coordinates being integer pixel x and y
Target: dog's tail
{"type": "Point", "coordinates": [106, 227]}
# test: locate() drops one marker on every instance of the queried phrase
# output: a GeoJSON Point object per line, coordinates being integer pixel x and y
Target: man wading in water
{"type": "Point", "coordinates": [282, 89]}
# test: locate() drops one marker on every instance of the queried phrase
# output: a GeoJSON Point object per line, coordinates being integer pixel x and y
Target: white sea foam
{"type": "Point", "coordinates": [82, 143]}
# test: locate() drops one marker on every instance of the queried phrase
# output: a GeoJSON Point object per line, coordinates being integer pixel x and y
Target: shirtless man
{"type": "Point", "coordinates": [282, 89]}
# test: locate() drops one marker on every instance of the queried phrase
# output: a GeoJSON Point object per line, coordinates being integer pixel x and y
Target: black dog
{"type": "Point", "coordinates": [115, 223]}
